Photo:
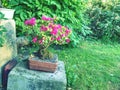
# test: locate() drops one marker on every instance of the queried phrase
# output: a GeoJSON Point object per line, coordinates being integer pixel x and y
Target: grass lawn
{"type": "Point", "coordinates": [92, 66]}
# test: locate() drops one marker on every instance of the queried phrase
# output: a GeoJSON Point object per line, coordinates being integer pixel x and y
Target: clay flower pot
{"type": "Point", "coordinates": [48, 65]}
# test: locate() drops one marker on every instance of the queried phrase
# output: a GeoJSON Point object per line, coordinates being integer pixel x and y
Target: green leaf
{"type": "Point", "coordinates": [57, 4]}
{"type": "Point", "coordinates": [28, 4]}
{"type": "Point", "coordinates": [1, 15]}
{"type": "Point", "coordinates": [22, 16]}
{"type": "Point", "coordinates": [14, 3]}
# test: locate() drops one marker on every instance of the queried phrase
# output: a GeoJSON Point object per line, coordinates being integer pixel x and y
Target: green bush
{"type": "Point", "coordinates": [69, 12]}
{"type": "Point", "coordinates": [105, 19]}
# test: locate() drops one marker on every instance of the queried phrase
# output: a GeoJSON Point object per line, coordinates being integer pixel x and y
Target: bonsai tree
{"type": "Point", "coordinates": [46, 33]}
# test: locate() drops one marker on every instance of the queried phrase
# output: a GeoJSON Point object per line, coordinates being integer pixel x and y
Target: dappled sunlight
{"type": "Point", "coordinates": [5, 54]}
{"type": "Point", "coordinates": [104, 1]}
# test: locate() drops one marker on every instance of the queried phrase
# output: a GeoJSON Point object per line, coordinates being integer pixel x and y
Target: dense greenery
{"type": "Point", "coordinates": [104, 16]}
{"type": "Point", "coordinates": [92, 66]}
{"type": "Point", "coordinates": [105, 19]}
{"type": "Point", "coordinates": [68, 12]}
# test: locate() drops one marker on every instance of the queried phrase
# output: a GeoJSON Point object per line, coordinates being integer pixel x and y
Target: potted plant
{"type": "Point", "coordinates": [8, 13]}
{"type": "Point", "coordinates": [42, 36]}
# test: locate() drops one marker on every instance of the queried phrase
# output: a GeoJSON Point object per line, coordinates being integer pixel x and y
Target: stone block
{"type": "Point", "coordinates": [22, 78]}
{"type": "Point", "coordinates": [9, 49]}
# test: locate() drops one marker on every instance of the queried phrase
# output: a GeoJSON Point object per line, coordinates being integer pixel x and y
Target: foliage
{"type": "Point", "coordinates": [4, 3]}
{"type": "Point", "coordinates": [92, 66]}
{"type": "Point", "coordinates": [69, 13]}
{"type": "Point", "coordinates": [105, 19]}
{"type": "Point", "coordinates": [2, 30]}
{"type": "Point", "coordinates": [46, 33]}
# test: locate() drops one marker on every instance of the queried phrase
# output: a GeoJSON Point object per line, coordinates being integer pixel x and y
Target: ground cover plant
{"type": "Point", "coordinates": [92, 66]}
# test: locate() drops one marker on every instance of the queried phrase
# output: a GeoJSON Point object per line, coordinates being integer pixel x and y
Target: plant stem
{"type": "Point", "coordinates": [48, 45]}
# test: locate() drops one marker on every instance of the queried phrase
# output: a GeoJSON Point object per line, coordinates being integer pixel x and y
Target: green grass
{"type": "Point", "coordinates": [92, 66]}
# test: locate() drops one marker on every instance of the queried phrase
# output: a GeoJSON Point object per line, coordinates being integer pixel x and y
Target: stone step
{"type": "Point", "coordinates": [22, 78]}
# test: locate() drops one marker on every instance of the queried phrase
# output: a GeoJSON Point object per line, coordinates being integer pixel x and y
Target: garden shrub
{"type": "Point", "coordinates": [105, 19]}
{"type": "Point", "coordinates": [69, 12]}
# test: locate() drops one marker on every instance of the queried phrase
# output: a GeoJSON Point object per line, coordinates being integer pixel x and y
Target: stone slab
{"type": "Point", "coordinates": [9, 49]}
{"type": "Point", "coordinates": [22, 78]}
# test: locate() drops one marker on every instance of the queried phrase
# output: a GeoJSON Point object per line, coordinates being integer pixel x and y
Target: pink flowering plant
{"type": "Point", "coordinates": [47, 33]}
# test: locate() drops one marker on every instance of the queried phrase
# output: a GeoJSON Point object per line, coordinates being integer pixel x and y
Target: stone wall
{"type": "Point", "coordinates": [9, 49]}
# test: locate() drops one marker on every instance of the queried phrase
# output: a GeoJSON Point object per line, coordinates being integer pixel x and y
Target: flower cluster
{"type": "Point", "coordinates": [31, 22]}
{"type": "Point", "coordinates": [49, 32]}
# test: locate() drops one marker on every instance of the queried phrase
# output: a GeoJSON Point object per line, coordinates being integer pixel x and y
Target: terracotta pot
{"type": "Point", "coordinates": [44, 65]}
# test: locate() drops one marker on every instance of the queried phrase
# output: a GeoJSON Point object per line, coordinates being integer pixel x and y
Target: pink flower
{"type": "Point", "coordinates": [46, 18]}
{"type": "Point", "coordinates": [58, 38]}
{"type": "Point", "coordinates": [34, 40]}
{"type": "Point", "coordinates": [67, 40]}
{"type": "Point", "coordinates": [58, 26]}
{"type": "Point", "coordinates": [31, 22]}
{"type": "Point", "coordinates": [27, 22]}
{"type": "Point", "coordinates": [67, 31]}
{"type": "Point", "coordinates": [51, 25]}
{"type": "Point", "coordinates": [63, 35]}
{"type": "Point", "coordinates": [54, 31]}
{"type": "Point", "coordinates": [41, 41]}
{"type": "Point", "coordinates": [43, 28]}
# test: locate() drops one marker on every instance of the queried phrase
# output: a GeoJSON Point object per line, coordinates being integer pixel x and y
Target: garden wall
{"type": "Point", "coordinates": [9, 49]}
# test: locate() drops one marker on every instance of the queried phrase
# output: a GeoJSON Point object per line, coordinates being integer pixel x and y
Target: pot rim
{"type": "Point", "coordinates": [5, 9]}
